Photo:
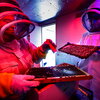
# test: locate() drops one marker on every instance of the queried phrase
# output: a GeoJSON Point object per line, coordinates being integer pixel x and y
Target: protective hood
{"type": "Point", "coordinates": [23, 26]}
{"type": "Point", "coordinates": [91, 18]}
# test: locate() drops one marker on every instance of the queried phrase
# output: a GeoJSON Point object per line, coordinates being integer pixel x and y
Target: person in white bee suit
{"type": "Point", "coordinates": [17, 54]}
{"type": "Point", "coordinates": [91, 22]}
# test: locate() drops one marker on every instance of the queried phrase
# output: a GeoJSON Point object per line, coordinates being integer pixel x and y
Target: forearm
{"type": "Point", "coordinates": [45, 47]}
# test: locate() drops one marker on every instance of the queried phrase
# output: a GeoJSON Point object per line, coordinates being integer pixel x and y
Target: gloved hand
{"type": "Point", "coordinates": [48, 44]}
{"type": "Point", "coordinates": [21, 84]}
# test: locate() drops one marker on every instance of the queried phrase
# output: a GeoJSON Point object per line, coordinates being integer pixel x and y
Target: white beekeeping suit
{"type": "Point", "coordinates": [91, 21]}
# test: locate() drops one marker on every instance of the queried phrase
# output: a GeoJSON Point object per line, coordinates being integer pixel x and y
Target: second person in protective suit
{"type": "Point", "coordinates": [91, 21]}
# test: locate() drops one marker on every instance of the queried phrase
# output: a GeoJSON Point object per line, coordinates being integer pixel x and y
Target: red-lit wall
{"type": "Point", "coordinates": [68, 29]}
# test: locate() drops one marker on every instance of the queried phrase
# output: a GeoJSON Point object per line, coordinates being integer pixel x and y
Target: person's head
{"type": "Point", "coordinates": [91, 18]}
{"type": "Point", "coordinates": [14, 24]}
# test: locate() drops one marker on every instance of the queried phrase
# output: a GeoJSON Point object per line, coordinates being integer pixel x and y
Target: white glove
{"type": "Point", "coordinates": [21, 84]}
